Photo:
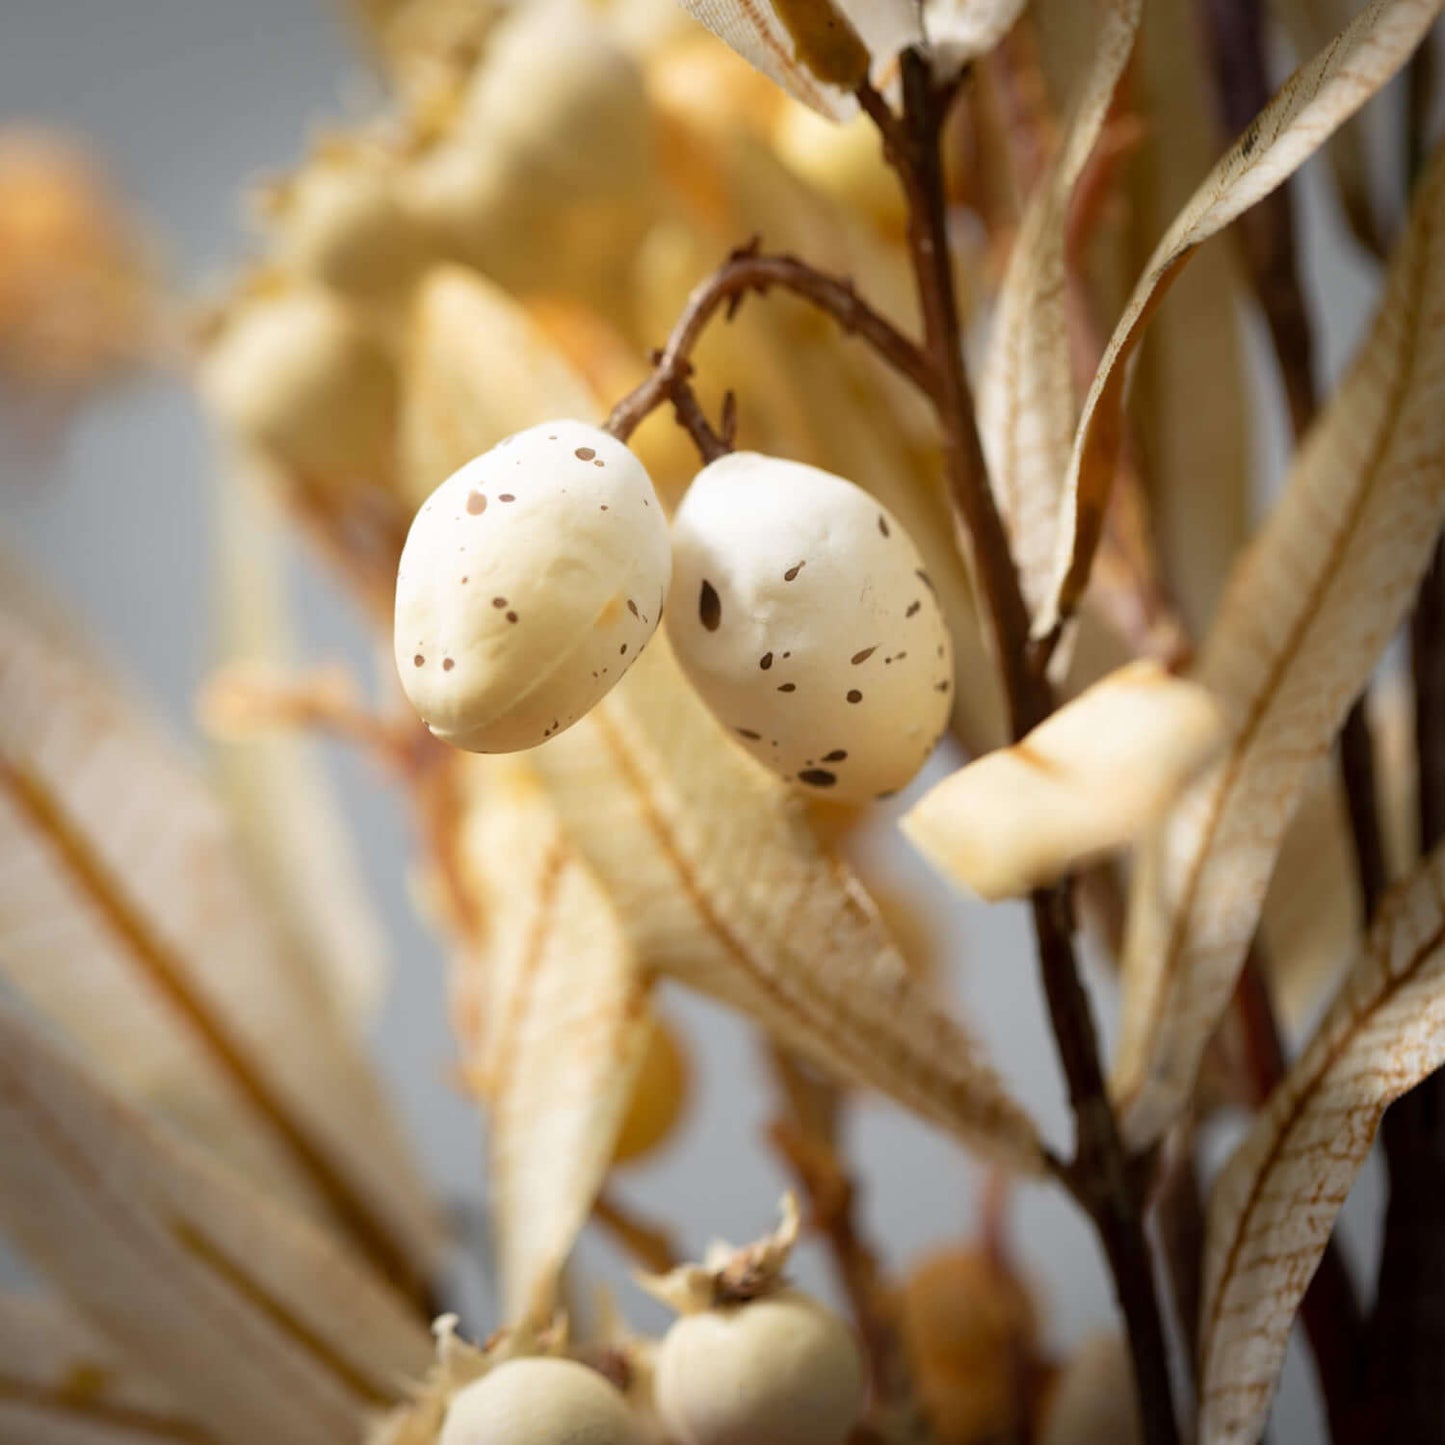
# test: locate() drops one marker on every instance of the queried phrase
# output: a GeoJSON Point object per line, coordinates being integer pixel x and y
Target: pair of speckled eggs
{"type": "Point", "coordinates": [799, 608]}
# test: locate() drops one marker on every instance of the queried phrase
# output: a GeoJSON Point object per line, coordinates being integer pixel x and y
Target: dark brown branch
{"type": "Point", "coordinates": [749, 270]}
{"type": "Point", "coordinates": [1101, 1174]}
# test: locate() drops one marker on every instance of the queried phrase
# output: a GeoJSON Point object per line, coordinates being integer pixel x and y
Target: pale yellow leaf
{"type": "Point", "coordinates": [775, 36]}
{"type": "Point", "coordinates": [561, 1024]}
{"type": "Point", "coordinates": [477, 369]}
{"type": "Point", "coordinates": [1193, 438]}
{"type": "Point", "coordinates": [257, 1324]}
{"type": "Point", "coordinates": [720, 881]}
{"type": "Point", "coordinates": [126, 917]}
{"type": "Point", "coordinates": [1026, 400]}
{"type": "Point", "coordinates": [1089, 780]}
{"type": "Point", "coordinates": [1309, 24]}
{"type": "Point", "coordinates": [63, 1384]}
{"type": "Point", "coordinates": [284, 809]}
{"type": "Point", "coordinates": [1272, 1209]}
{"type": "Point", "coordinates": [1312, 604]}
{"type": "Point", "coordinates": [1313, 104]}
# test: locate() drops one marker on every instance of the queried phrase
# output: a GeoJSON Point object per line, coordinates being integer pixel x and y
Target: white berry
{"type": "Point", "coordinates": [539, 1402]}
{"type": "Point", "coordinates": [804, 617]}
{"type": "Point", "coordinates": [530, 581]}
{"type": "Point", "coordinates": [779, 1370]}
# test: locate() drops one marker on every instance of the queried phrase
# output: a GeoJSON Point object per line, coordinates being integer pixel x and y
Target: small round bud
{"type": "Point", "coordinates": [539, 1402]}
{"type": "Point", "coordinates": [659, 1096]}
{"type": "Point", "coordinates": [778, 1370]}
{"type": "Point", "coordinates": [530, 582]}
{"type": "Point", "coordinates": [804, 617]}
{"type": "Point", "coordinates": [301, 378]}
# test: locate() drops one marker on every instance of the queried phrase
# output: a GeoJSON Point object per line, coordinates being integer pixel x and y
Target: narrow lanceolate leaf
{"type": "Point", "coordinates": [554, 1022]}
{"type": "Point", "coordinates": [1313, 104]}
{"type": "Point", "coordinates": [1309, 24]}
{"type": "Point", "coordinates": [1274, 1205]}
{"type": "Point", "coordinates": [719, 880]}
{"type": "Point", "coordinates": [1311, 606]}
{"type": "Point", "coordinates": [63, 1384]}
{"type": "Point", "coordinates": [1089, 780]}
{"type": "Point", "coordinates": [959, 31]}
{"type": "Point", "coordinates": [255, 1322]}
{"type": "Point", "coordinates": [286, 815]}
{"type": "Point", "coordinates": [1027, 406]}
{"type": "Point", "coordinates": [125, 916]}
{"type": "Point", "coordinates": [817, 50]}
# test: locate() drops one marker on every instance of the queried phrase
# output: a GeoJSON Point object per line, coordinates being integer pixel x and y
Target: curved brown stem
{"type": "Point", "coordinates": [750, 270]}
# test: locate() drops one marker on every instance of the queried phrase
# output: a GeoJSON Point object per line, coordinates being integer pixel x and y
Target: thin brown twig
{"type": "Point", "coordinates": [1102, 1175]}
{"type": "Point", "coordinates": [643, 1240]}
{"type": "Point", "coordinates": [750, 270]}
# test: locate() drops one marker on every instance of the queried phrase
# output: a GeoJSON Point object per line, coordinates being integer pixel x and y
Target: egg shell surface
{"type": "Point", "coordinates": [530, 582]}
{"type": "Point", "coordinates": [780, 1370]}
{"type": "Point", "coordinates": [804, 617]}
{"type": "Point", "coordinates": [539, 1402]}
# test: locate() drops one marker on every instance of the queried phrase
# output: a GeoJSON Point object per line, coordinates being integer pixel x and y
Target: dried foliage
{"type": "Point", "coordinates": [595, 214]}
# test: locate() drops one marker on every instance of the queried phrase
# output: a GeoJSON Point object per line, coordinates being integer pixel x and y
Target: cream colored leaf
{"type": "Point", "coordinates": [1027, 405]}
{"type": "Point", "coordinates": [959, 31]}
{"type": "Point", "coordinates": [1309, 24]}
{"type": "Point", "coordinates": [125, 916]}
{"type": "Point", "coordinates": [477, 369]}
{"type": "Point", "coordinates": [287, 817]}
{"type": "Point", "coordinates": [1312, 604]}
{"type": "Point", "coordinates": [561, 1026]}
{"type": "Point", "coordinates": [1193, 440]}
{"type": "Point", "coordinates": [62, 1384]}
{"type": "Point", "coordinates": [255, 1322]}
{"type": "Point", "coordinates": [1272, 1209]}
{"type": "Point", "coordinates": [775, 36]}
{"type": "Point", "coordinates": [1089, 780]}
{"type": "Point", "coordinates": [1312, 105]}
{"type": "Point", "coordinates": [720, 881]}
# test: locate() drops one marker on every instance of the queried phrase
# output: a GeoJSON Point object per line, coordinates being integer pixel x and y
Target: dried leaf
{"type": "Point", "coordinates": [1314, 103]}
{"type": "Point", "coordinates": [62, 1384]}
{"type": "Point", "coordinates": [1309, 610]}
{"type": "Point", "coordinates": [477, 369]}
{"type": "Point", "coordinates": [254, 1321]}
{"type": "Point", "coordinates": [959, 31]}
{"type": "Point", "coordinates": [1272, 1209]}
{"type": "Point", "coordinates": [1089, 780]}
{"type": "Point", "coordinates": [561, 1025]}
{"type": "Point", "coordinates": [785, 40]}
{"type": "Point", "coordinates": [720, 881]}
{"type": "Point", "coordinates": [1027, 405]}
{"type": "Point", "coordinates": [1309, 24]}
{"type": "Point", "coordinates": [285, 812]}
{"type": "Point", "coordinates": [125, 916]}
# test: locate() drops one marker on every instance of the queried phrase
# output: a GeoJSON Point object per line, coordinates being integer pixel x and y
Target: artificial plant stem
{"type": "Point", "coordinates": [1101, 1170]}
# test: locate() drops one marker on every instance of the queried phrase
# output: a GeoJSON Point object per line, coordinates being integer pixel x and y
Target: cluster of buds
{"type": "Point", "coordinates": [801, 610]}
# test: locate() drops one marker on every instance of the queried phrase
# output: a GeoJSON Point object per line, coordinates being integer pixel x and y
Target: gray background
{"type": "Point", "coordinates": [188, 98]}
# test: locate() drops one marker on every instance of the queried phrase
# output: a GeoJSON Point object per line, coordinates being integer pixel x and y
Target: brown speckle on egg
{"type": "Point", "coordinates": [926, 580]}
{"type": "Point", "coordinates": [838, 755]}
{"type": "Point", "coordinates": [765, 661]}
{"type": "Point", "coordinates": [788, 687]}
{"type": "Point", "coordinates": [709, 606]}
{"type": "Point", "coordinates": [854, 695]}
{"type": "Point", "coordinates": [749, 734]}
{"type": "Point", "coordinates": [792, 572]}
{"type": "Point", "coordinates": [623, 650]}
{"type": "Point", "coordinates": [632, 607]}
{"type": "Point", "coordinates": [863, 656]}
{"type": "Point", "coordinates": [499, 602]}
{"type": "Point", "coordinates": [506, 497]}
{"type": "Point", "coordinates": [447, 664]}
{"type": "Point", "coordinates": [883, 524]}
{"type": "Point", "coordinates": [418, 661]}
{"type": "Point", "coordinates": [511, 617]}
{"type": "Point", "coordinates": [914, 609]}
{"type": "Point", "coordinates": [584, 454]}
{"type": "Point", "coordinates": [941, 686]}
{"type": "Point", "coordinates": [817, 777]}
{"type": "Point", "coordinates": [476, 503]}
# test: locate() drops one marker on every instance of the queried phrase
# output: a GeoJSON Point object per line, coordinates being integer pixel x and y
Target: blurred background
{"type": "Point", "coordinates": [184, 103]}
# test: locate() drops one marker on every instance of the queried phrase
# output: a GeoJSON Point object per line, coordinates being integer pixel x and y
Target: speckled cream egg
{"type": "Point", "coordinates": [780, 1370]}
{"type": "Point", "coordinates": [530, 581]}
{"type": "Point", "coordinates": [540, 1402]}
{"type": "Point", "coordinates": [802, 613]}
